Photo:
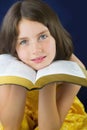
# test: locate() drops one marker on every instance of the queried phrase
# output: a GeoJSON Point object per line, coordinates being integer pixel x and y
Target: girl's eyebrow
{"type": "Point", "coordinates": [22, 38]}
{"type": "Point", "coordinates": [44, 31]}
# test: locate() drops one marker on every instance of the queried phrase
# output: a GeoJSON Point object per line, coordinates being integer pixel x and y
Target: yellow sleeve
{"type": "Point", "coordinates": [1, 127]}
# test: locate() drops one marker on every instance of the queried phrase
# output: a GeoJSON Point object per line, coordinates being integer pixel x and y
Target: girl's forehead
{"type": "Point", "coordinates": [31, 27]}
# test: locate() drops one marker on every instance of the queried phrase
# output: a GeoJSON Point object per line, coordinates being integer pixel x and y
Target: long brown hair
{"type": "Point", "coordinates": [35, 10]}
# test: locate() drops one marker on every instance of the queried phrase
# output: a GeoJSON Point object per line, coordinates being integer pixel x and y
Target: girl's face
{"type": "Point", "coordinates": [35, 45]}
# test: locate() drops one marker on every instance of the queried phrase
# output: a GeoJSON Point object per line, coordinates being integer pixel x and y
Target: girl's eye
{"type": "Point", "coordinates": [23, 42]}
{"type": "Point", "coordinates": [43, 36]}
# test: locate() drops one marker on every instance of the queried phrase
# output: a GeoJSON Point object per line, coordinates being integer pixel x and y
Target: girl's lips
{"type": "Point", "coordinates": [39, 59]}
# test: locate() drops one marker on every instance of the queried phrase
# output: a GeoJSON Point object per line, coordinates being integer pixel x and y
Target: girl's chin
{"type": "Point", "coordinates": [39, 67]}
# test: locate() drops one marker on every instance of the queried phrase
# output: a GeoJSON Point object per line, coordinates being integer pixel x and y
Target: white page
{"type": "Point", "coordinates": [61, 67]}
{"type": "Point", "coordinates": [10, 66]}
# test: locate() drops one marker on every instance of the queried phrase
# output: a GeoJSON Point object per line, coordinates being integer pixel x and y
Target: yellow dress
{"type": "Point", "coordinates": [76, 118]}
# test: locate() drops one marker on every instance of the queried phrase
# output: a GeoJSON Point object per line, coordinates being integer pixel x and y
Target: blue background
{"type": "Point", "coordinates": [72, 14]}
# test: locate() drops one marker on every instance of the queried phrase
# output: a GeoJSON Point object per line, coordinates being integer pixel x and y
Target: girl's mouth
{"type": "Point", "coordinates": [39, 59]}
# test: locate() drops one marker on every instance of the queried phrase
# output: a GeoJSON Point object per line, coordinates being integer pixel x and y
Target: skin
{"type": "Point", "coordinates": [12, 100]}
{"type": "Point", "coordinates": [37, 48]}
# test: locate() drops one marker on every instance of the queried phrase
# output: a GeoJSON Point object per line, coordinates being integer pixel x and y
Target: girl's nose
{"type": "Point", "coordinates": [36, 48]}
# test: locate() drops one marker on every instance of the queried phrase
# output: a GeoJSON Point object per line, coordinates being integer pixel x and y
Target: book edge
{"type": "Point", "coordinates": [61, 78]}
{"type": "Point", "coordinates": [17, 81]}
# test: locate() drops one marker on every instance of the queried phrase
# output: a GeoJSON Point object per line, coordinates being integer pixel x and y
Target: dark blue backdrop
{"type": "Point", "coordinates": [73, 15]}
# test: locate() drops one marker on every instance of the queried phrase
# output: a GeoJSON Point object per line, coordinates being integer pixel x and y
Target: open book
{"type": "Point", "coordinates": [13, 71]}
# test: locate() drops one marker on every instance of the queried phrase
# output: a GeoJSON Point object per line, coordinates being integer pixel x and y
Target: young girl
{"type": "Point", "coordinates": [32, 32]}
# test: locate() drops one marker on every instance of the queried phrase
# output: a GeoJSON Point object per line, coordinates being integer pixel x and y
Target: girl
{"type": "Point", "coordinates": [32, 32]}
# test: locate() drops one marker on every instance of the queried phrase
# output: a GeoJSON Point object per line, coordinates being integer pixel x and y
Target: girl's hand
{"type": "Point", "coordinates": [75, 59]}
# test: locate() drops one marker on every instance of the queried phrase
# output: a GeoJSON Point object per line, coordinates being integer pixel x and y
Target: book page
{"type": "Point", "coordinates": [10, 66]}
{"type": "Point", "coordinates": [62, 67]}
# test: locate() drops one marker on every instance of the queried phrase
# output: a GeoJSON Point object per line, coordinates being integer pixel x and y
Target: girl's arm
{"type": "Point", "coordinates": [48, 115]}
{"type": "Point", "coordinates": [66, 93]}
{"type": "Point", "coordinates": [12, 103]}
